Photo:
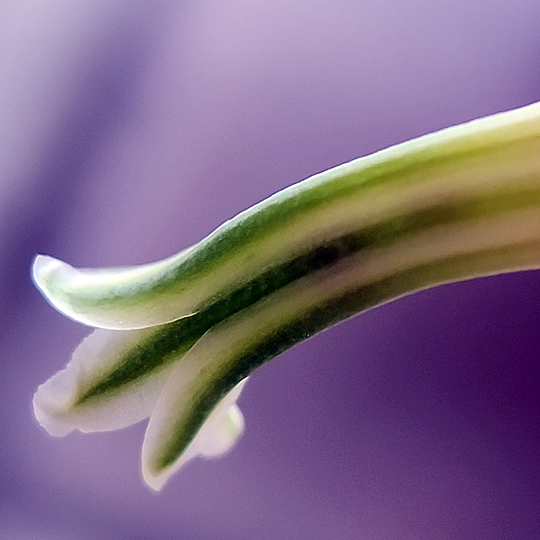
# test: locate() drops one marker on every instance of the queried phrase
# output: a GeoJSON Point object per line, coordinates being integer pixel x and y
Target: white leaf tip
{"type": "Point", "coordinates": [48, 407]}
{"type": "Point", "coordinates": [46, 272]}
{"type": "Point", "coordinates": [217, 436]}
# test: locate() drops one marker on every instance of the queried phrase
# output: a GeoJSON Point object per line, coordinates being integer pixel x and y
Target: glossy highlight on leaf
{"type": "Point", "coordinates": [177, 339]}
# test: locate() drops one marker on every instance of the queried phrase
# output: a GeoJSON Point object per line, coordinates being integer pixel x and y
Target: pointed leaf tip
{"type": "Point", "coordinates": [51, 276]}
{"type": "Point", "coordinates": [69, 401]}
{"type": "Point", "coordinates": [43, 269]}
{"type": "Point", "coordinates": [218, 434]}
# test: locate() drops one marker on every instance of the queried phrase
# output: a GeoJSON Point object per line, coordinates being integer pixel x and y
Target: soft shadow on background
{"type": "Point", "coordinates": [131, 129]}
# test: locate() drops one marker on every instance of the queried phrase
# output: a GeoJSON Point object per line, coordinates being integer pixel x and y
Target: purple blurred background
{"type": "Point", "coordinates": [131, 129]}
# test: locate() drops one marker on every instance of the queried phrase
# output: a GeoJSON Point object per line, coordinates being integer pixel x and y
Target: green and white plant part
{"type": "Point", "coordinates": [177, 339]}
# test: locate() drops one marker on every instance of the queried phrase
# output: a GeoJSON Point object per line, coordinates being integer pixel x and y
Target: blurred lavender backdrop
{"type": "Point", "coordinates": [130, 129]}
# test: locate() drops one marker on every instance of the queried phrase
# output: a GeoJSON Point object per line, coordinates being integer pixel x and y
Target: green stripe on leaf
{"type": "Point", "coordinates": [453, 205]}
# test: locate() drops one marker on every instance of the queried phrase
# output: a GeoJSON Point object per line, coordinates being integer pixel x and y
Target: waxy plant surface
{"type": "Point", "coordinates": [130, 130]}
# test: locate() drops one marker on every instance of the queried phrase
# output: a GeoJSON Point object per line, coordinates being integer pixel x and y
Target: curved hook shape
{"type": "Point", "coordinates": [457, 204]}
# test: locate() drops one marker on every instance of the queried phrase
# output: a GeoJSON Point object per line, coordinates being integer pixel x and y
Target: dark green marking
{"type": "Point", "coordinates": [228, 241]}
{"type": "Point", "coordinates": [171, 341]}
{"type": "Point", "coordinates": [261, 348]}
{"type": "Point", "coordinates": [280, 211]}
